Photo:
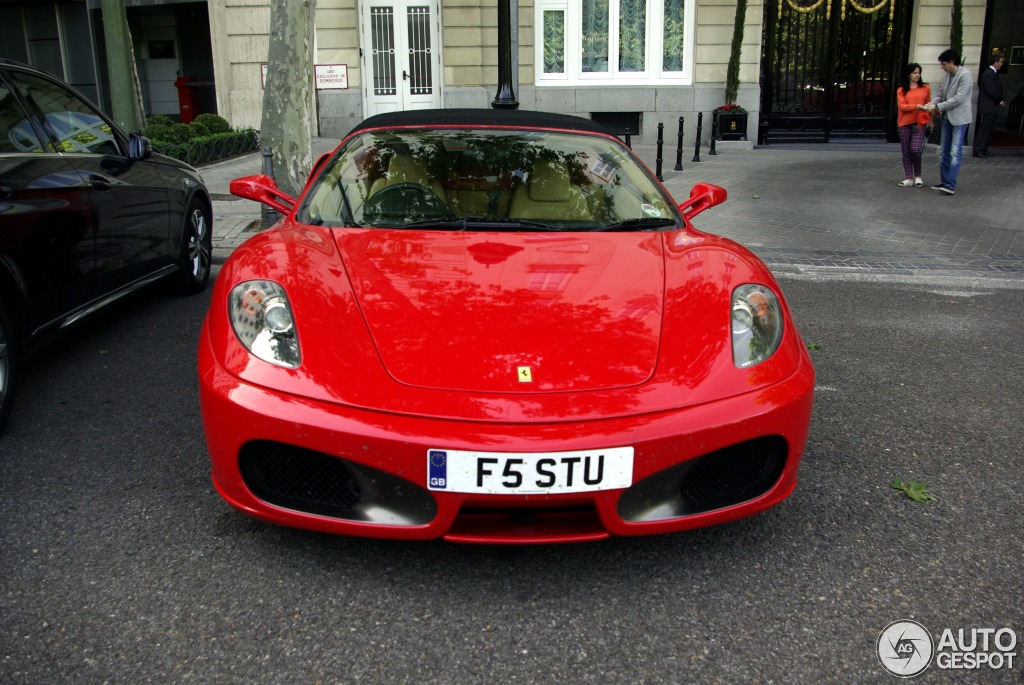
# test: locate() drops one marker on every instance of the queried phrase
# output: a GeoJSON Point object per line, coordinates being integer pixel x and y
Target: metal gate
{"type": "Point", "coordinates": [831, 68]}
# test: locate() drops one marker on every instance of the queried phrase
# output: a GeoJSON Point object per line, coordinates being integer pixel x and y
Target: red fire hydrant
{"type": "Point", "coordinates": [188, 98]}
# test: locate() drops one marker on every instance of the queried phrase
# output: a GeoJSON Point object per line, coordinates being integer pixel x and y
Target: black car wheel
{"type": "Point", "coordinates": [196, 249]}
{"type": "Point", "coordinates": [8, 365]}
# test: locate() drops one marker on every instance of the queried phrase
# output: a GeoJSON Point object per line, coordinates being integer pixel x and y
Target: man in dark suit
{"type": "Point", "coordinates": [990, 99]}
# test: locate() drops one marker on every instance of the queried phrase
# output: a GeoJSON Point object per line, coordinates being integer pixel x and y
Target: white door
{"type": "Point", "coordinates": [401, 55]}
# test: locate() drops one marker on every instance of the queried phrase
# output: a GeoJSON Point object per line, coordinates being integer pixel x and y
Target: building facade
{"type": "Point", "coordinates": [810, 69]}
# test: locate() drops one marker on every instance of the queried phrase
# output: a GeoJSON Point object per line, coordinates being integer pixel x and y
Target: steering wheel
{"type": "Point", "coordinates": [405, 202]}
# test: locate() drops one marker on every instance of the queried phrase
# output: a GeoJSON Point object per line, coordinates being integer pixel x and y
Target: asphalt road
{"type": "Point", "coordinates": [120, 563]}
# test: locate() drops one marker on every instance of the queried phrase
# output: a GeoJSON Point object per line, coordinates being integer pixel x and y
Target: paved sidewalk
{"type": "Point", "coordinates": [800, 208]}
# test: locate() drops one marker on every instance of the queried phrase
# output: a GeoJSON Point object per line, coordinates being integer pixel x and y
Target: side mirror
{"type": "Point", "coordinates": [139, 147]}
{"type": "Point", "coordinates": [262, 189]}
{"type": "Point", "coordinates": [702, 196]}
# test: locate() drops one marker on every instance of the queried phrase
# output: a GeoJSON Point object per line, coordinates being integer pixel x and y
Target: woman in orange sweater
{"type": "Point", "coordinates": [912, 123]}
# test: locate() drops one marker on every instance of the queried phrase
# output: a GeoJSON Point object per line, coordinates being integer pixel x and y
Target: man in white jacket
{"type": "Point", "coordinates": [954, 101]}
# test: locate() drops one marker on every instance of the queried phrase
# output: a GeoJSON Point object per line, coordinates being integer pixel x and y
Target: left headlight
{"type": "Point", "coordinates": [263, 321]}
{"type": "Point", "coordinates": [756, 324]}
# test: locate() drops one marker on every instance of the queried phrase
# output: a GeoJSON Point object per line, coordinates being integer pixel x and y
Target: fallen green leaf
{"type": "Point", "coordinates": [913, 489]}
{"type": "Point", "coordinates": [757, 197]}
{"type": "Point", "coordinates": [813, 346]}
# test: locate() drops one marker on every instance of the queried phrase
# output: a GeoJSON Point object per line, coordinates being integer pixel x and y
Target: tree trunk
{"type": "Point", "coordinates": [125, 93]}
{"type": "Point", "coordinates": [286, 125]}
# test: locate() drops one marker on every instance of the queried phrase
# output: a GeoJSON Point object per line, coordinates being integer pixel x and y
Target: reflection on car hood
{"type": "Point", "coordinates": [510, 312]}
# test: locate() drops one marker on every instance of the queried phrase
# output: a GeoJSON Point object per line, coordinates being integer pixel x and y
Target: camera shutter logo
{"type": "Point", "coordinates": [905, 648]}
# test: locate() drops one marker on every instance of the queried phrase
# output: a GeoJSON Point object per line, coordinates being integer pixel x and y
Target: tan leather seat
{"type": "Point", "coordinates": [405, 169]}
{"type": "Point", "coordinates": [481, 196]}
{"type": "Point", "coordinates": [548, 194]}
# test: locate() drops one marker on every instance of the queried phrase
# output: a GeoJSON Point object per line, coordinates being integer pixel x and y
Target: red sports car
{"type": "Point", "coordinates": [497, 326]}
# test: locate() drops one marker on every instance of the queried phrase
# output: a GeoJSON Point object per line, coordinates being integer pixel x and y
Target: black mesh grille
{"type": "Point", "coordinates": [733, 475]}
{"type": "Point", "coordinates": [719, 479]}
{"type": "Point", "coordinates": [301, 479]}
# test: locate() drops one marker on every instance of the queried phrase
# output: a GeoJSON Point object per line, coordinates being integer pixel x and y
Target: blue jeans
{"type": "Point", "coordinates": [951, 152]}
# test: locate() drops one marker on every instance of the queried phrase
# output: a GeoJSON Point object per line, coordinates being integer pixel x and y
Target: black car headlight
{"type": "Point", "coordinates": [263, 321]}
{"type": "Point", "coordinates": [756, 324]}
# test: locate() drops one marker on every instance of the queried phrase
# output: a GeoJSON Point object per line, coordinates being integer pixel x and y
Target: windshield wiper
{"type": "Point", "coordinates": [467, 222]}
{"type": "Point", "coordinates": [637, 224]}
{"type": "Point", "coordinates": [436, 222]}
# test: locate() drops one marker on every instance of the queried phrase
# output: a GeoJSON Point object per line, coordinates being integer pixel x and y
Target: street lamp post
{"type": "Point", "coordinates": [505, 98]}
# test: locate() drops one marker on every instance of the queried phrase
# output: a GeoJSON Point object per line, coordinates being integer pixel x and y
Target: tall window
{"type": "Point", "coordinates": [554, 42]}
{"type": "Point", "coordinates": [632, 35]}
{"type": "Point", "coordinates": [595, 36]}
{"type": "Point", "coordinates": [675, 34]}
{"type": "Point", "coordinates": [614, 41]}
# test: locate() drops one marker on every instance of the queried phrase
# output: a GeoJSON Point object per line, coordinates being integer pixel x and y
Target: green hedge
{"type": "Point", "coordinates": [208, 148]}
{"type": "Point", "coordinates": [208, 138]}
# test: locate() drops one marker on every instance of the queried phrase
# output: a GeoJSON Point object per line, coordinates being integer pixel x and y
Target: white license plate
{"type": "Point", "coordinates": [506, 473]}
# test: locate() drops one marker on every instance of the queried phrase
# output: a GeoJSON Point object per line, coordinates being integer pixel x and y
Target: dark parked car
{"type": "Point", "coordinates": [88, 214]}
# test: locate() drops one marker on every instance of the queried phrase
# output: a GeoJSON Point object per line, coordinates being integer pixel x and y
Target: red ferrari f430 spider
{"type": "Point", "coordinates": [497, 326]}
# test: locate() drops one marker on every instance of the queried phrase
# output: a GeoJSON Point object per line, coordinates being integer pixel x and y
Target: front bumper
{"type": "Point", "coordinates": [337, 469]}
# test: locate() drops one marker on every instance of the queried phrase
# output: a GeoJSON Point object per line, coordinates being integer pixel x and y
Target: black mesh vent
{"type": "Point", "coordinates": [733, 475]}
{"type": "Point", "coordinates": [723, 478]}
{"type": "Point", "coordinates": [301, 479]}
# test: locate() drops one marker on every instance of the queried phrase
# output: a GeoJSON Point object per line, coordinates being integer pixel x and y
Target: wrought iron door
{"type": "Point", "coordinates": [831, 68]}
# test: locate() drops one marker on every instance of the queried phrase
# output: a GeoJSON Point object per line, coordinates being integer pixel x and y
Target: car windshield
{"type": "Point", "coordinates": [477, 179]}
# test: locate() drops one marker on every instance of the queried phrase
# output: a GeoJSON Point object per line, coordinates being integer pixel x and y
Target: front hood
{"type": "Point", "coordinates": [172, 162]}
{"type": "Point", "coordinates": [510, 312]}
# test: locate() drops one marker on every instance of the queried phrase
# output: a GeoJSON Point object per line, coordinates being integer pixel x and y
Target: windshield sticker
{"type": "Point", "coordinates": [650, 210]}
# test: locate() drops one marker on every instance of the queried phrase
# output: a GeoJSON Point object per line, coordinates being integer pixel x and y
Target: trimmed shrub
{"type": "Point", "coordinates": [158, 131]}
{"type": "Point", "coordinates": [159, 120]}
{"type": "Point", "coordinates": [182, 133]}
{"type": "Point", "coordinates": [200, 129]}
{"type": "Point", "coordinates": [214, 123]}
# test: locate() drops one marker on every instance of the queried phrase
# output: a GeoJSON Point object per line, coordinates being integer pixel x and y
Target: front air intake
{"type": "Point", "coordinates": [300, 479]}
{"type": "Point", "coordinates": [325, 485]}
{"type": "Point", "coordinates": [720, 479]}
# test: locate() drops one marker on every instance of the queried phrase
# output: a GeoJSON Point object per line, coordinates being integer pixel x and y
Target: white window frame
{"type": "Point", "coordinates": [574, 75]}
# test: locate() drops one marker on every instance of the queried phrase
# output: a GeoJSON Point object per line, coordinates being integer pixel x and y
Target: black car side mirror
{"type": "Point", "coordinates": [139, 147]}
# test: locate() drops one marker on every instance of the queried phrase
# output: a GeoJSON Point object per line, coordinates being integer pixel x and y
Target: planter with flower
{"type": "Point", "coordinates": [731, 122]}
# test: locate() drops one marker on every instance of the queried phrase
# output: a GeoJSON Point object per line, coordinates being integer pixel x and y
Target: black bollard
{"type": "Point", "coordinates": [714, 135]}
{"type": "Point", "coordinates": [679, 147]}
{"type": "Point", "coordinates": [629, 139]}
{"type": "Point", "coordinates": [658, 160]}
{"type": "Point", "coordinates": [696, 146]}
{"type": "Point", "coordinates": [268, 216]}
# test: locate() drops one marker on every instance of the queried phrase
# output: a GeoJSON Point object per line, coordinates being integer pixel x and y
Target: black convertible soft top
{"type": "Point", "coordinates": [479, 117]}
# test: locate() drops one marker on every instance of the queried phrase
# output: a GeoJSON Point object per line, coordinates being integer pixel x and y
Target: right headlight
{"type": "Point", "coordinates": [756, 324]}
{"type": "Point", "coordinates": [263, 321]}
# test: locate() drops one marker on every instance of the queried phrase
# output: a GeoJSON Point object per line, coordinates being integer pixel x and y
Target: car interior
{"type": "Point", "coordinates": [562, 181]}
